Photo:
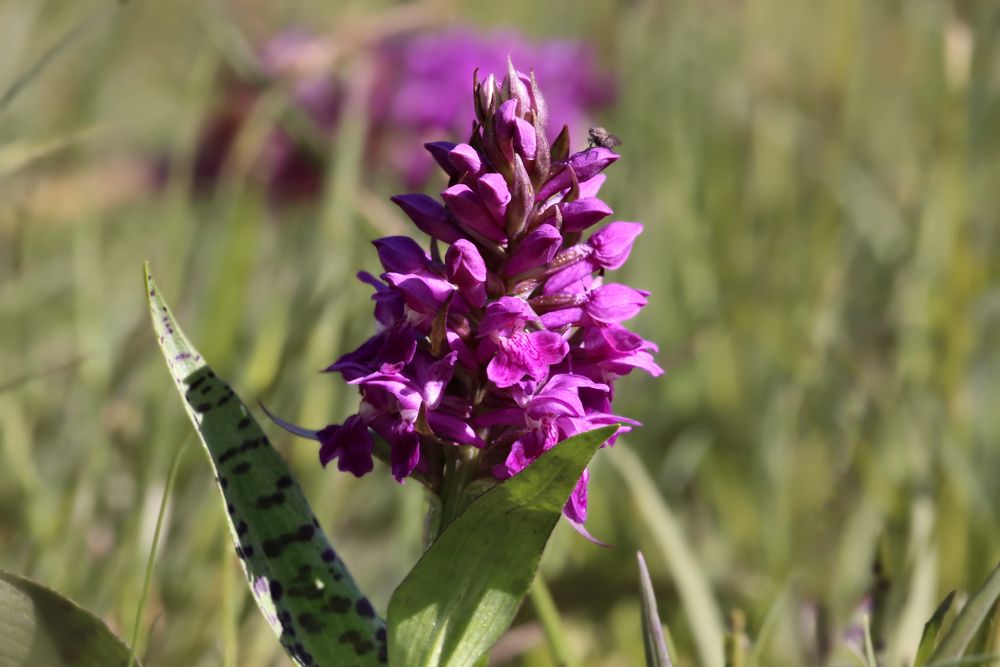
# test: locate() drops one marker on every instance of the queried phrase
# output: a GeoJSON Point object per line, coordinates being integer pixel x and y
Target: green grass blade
{"type": "Point", "coordinates": [73, 35]}
{"type": "Point", "coordinates": [147, 579]}
{"type": "Point", "coordinates": [464, 592]}
{"type": "Point", "coordinates": [693, 586]}
{"type": "Point", "coordinates": [983, 659]}
{"type": "Point", "coordinates": [548, 616]}
{"type": "Point", "coordinates": [928, 640]}
{"type": "Point", "coordinates": [657, 654]}
{"type": "Point", "coordinates": [303, 589]}
{"type": "Point", "coordinates": [41, 627]}
{"type": "Point", "coordinates": [870, 658]}
{"type": "Point", "coordinates": [969, 620]}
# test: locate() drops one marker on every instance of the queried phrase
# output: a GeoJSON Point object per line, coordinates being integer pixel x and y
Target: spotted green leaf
{"type": "Point", "coordinates": [41, 627]}
{"type": "Point", "coordinates": [653, 641]}
{"type": "Point", "coordinates": [464, 592]}
{"type": "Point", "coordinates": [968, 622]}
{"type": "Point", "coordinates": [303, 589]}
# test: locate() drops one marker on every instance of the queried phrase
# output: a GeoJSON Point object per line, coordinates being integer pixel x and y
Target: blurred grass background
{"type": "Point", "coordinates": [818, 183]}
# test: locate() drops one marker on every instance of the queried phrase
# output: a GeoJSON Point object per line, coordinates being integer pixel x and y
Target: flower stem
{"type": "Point", "coordinates": [458, 470]}
{"type": "Point", "coordinates": [148, 577]}
{"type": "Point", "coordinates": [552, 625]}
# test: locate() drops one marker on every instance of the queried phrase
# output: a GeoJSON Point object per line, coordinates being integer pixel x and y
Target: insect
{"type": "Point", "coordinates": [601, 137]}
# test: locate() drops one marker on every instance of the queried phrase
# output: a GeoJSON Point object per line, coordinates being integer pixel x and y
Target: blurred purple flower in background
{"type": "Point", "coordinates": [419, 91]}
{"type": "Point", "coordinates": [497, 347]}
{"type": "Point", "coordinates": [422, 88]}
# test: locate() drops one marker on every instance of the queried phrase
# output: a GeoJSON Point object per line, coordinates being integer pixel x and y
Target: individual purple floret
{"type": "Point", "coordinates": [502, 338]}
{"type": "Point", "coordinates": [419, 91]}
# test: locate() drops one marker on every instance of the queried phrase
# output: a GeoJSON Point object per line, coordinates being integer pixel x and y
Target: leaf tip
{"type": "Point", "coordinates": [147, 278]}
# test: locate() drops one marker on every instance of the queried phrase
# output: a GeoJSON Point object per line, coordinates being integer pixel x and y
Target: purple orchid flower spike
{"type": "Point", "coordinates": [502, 339]}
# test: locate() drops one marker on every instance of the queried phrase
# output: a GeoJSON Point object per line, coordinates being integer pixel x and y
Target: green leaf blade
{"type": "Point", "coordinates": [41, 627]}
{"type": "Point", "coordinates": [969, 620]}
{"type": "Point", "coordinates": [653, 641]}
{"type": "Point", "coordinates": [463, 593]}
{"type": "Point", "coordinates": [692, 582]}
{"type": "Point", "coordinates": [928, 639]}
{"type": "Point", "coordinates": [302, 587]}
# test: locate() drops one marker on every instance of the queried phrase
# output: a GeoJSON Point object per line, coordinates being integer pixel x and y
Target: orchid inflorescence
{"type": "Point", "coordinates": [505, 338]}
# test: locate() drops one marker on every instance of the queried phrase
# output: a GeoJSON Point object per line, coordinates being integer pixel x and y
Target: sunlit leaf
{"type": "Point", "coordinates": [653, 640]}
{"type": "Point", "coordinates": [928, 640]}
{"type": "Point", "coordinates": [39, 627]}
{"type": "Point", "coordinates": [464, 592]}
{"type": "Point", "coordinates": [983, 641]}
{"type": "Point", "coordinates": [968, 621]}
{"type": "Point", "coordinates": [303, 589]}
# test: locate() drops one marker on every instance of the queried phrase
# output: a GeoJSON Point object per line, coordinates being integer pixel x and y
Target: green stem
{"type": "Point", "coordinates": [548, 616]}
{"type": "Point", "coordinates": [457, 472]}
{"type": "Point", "coordinates": [432, 521]}
{"type": "Point", "coordinates": [152, 552]}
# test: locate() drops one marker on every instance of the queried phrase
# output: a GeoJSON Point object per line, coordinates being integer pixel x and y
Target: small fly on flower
{"type": "Point", "coordinates": [601, 137]}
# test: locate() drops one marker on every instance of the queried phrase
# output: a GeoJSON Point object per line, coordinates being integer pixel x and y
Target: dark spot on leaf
{"type": "Point", "coordinates": [360, 645]}
{"type": "Point", "coordinates": [310, 623]}
{"type": "Point", "coordinates": [270, 499]}
{"type": "Point", "coordinates": [308, 591]}
{"type": "Point", "coordinates": [364, 608]}
{"type": "Point", "coordinates": [276, 590]}
{"type": "Point", "coordinates": [336, 604]}
{"type": "Point", "coordinates": [245, 446]}
{"type": "Point", "coordinates": [299, 651]}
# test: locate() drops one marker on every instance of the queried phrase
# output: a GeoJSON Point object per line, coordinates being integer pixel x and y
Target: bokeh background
{"type": "Point", "coordinates": [819, 185]}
